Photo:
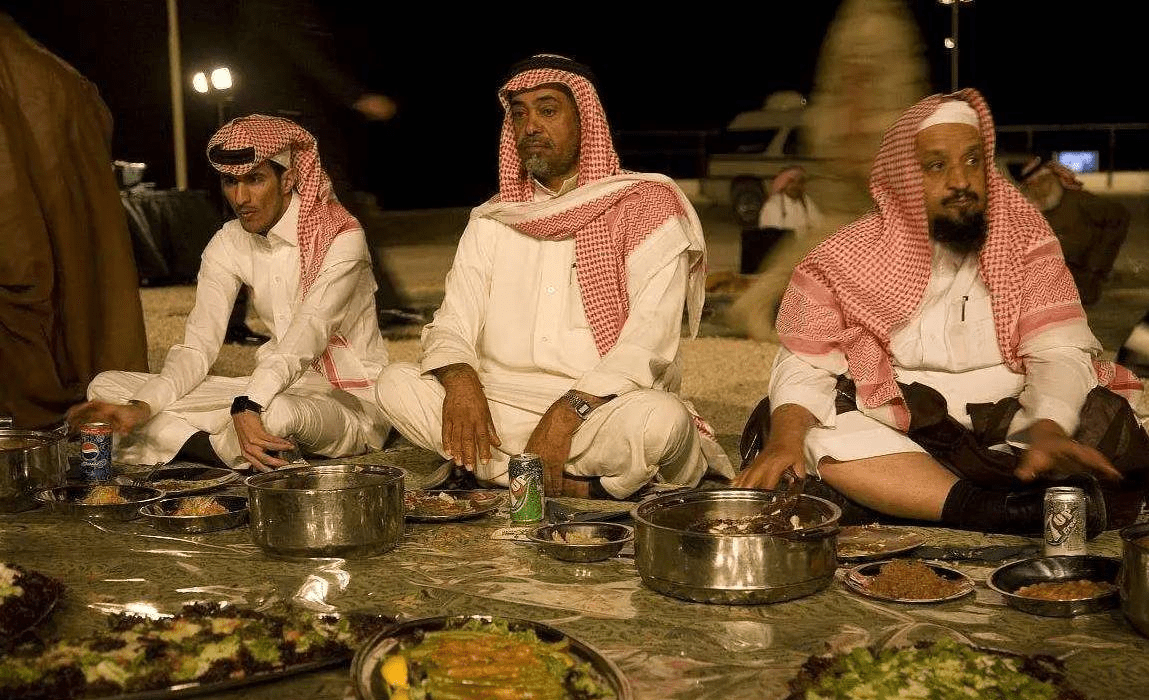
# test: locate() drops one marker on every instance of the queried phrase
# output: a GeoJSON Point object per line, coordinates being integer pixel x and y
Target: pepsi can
{"type": "Point", "coordinates": [1064, 521]}
{"type": "Point", "coordinates": [96, 451]}
{"type": "Point", "coordinates": [525, 472]}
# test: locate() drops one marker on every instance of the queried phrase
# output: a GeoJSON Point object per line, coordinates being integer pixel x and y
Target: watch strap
{"type": "Point", "coordinates": [242, 403]}
{"type": "Point", "coordinates": [580, 405]}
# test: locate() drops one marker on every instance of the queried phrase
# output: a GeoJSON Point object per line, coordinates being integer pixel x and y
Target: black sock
{"type": "Point", "coordinates": [198, 449]}
{"type": "Point", "coordinates": [972, 507]}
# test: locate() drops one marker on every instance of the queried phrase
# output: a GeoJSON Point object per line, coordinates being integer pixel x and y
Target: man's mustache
{"type": "Point", "coordinates": [535, 141]}
{"type": "Point", "coordinates": [959, 195]}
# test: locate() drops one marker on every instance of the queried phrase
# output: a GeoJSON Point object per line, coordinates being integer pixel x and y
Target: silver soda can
{"type": "Point", "coordinates": [525, 473]}
{"type": "Point", "coordinates": [96, 451]}
{"type": "Point", "coordinates": [1064, 521]}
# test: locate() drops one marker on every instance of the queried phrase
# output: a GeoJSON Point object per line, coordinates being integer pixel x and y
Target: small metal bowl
{"type": "Point", "coordinates": [615, 534]}
{"type": "Point", "coordinates": [65, 500]}
{"type": "Point", "coordinates": [163, 518]}
{"type": "Point", "coordinates": [1010, 577]}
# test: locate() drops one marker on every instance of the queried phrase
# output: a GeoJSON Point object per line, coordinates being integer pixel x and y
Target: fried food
{"type": "Point", "coordinates": [1077, 589]}
{"type": "Point", "coordinates": [911, 580]}
{"type": "Point", "coordinates": [103, 495]}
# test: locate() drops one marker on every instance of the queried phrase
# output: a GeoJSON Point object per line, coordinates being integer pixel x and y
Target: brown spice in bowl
{"type": "Point", "coordinates": [911, 580]}
{"type": "Point", "coordinates": [1077, 589]}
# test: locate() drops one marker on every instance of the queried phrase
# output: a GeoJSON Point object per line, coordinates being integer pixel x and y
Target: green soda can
{"type": "Point", "coordinates": [525, 472]}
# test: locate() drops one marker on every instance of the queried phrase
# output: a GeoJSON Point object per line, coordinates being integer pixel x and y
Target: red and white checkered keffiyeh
{"type": "Point", "coordinates": [321, 216]}
{"type": "Point", "coordinates": [852, 291]}
{"type": "Point", "coordinates": [605, 228]}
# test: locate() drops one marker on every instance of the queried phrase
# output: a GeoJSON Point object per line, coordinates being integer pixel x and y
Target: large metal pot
{"type": "Point", "coordinates": [30, 460]}
{"type": "Point", "coordinates": [1134, 578]}
{"type": "Point", "coordinates": [735, 568]}
{"type": "Point", "coordinates": [330, 510]}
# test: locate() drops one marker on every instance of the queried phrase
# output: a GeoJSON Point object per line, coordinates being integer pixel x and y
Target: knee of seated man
{"type": "Point", "coordinates": [392, 380]}
{"type": "Point", "coordinates": [667, 424]}
{"type": "Point", "coordinates": [105, 387]}
{"type": "Point", "coordinates": [280, 417]}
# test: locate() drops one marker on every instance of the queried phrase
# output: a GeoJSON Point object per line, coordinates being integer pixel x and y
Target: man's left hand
{"type": "Point", "coordinates": [551, 441]}
{"type": "Point", "coordinates": [254, 441]}
{"type": "Point", "coordinates": [1052, 451]}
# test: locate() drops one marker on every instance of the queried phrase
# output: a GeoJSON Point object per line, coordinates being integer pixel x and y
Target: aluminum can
{"type": "Point", "coordinates": [525, 472]}
{"type": "Point", "coordinates": [1064, 521]}
{"type": "Point", "coordinates": [95, 451]}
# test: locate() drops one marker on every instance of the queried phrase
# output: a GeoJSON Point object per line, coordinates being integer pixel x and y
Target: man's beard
{"type": "Point", "coordinates": [542, 167]}
{"type": "Point", "coordinates": [965, 235]}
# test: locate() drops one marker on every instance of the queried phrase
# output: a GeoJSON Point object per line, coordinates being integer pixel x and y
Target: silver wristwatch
{"type": "Point", "coordinates": [579, 404]}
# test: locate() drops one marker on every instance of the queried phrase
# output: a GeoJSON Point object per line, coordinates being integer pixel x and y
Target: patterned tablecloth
{"type": "Point", "coordinates": [666, 647]}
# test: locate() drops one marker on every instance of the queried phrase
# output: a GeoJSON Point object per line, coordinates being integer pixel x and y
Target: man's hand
{"type": "Point", "coordinates": [784, 449]}
{"type": "Point", "coordinates": [551, 440]}
{"type": "Point", "coordinates": [122, 417]}
{"type": "Point", "coordinates": [468, 430]}
{"type": "Point", "coordinates": [375, 107]}
{"type": "Point", "coordinates": [1051, 451]}
{"type": "Point", "coordinates": [254, 441]}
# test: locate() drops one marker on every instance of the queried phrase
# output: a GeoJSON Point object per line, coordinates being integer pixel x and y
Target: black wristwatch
{"type": "Point", "coordinates": [579, 404]}
{"type": "Point", "coordinates": [242, 403]}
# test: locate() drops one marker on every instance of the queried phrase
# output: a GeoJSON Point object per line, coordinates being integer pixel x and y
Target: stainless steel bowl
{"type": "Point", "coordinates": [329, 510]}
{"type": "Point", "coordinates": [1134, 580]}
{"type": "Point", "coordinates": [1010, 577]}
{"type": "Point", "coordinates": [733, 568]}
{"type": "Point", "coordinates": [163, 518]}
{"type": "Point", "coordinates": [30, 460]}
{"type": "Point", "coordinates": [615, 535]}
{"type": "Point", "coordinates": [65, 500]}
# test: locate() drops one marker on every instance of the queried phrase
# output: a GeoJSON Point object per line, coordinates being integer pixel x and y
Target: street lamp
{"type": "Point", "coordinates": [951, 41]}
{"type": "Point", "coordinates": [219, 83]}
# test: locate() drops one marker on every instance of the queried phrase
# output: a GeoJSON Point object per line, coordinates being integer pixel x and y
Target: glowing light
{"type": "Point", "coordinates": [199, 82]}
{"type": "Point", "coordinates": [950, 42]}
{"type": "Point", "coordinates": [221, 78]}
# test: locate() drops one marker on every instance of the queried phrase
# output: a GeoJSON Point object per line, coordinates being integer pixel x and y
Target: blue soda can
{"type": "Point", "coordinates": [525, 472]}
{"type": "Point", "coordinates": [96, 451]}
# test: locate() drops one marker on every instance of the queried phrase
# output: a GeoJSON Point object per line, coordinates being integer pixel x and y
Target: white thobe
{"type": "Point", "coordinates": [298, 401]}
{"type": "Point", "coordinates": [949, 344]}
{"type": "Point", "coordinates": [798, 215]}
{"type": "Point", "coordinates": [513, 311]}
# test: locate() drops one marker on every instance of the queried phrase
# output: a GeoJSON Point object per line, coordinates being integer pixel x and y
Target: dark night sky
{"type": "Point", "coordinates": [676, 71]}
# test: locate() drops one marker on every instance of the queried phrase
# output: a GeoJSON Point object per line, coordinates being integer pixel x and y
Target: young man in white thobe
{"type": "Point", "coordinates": [559, 333]}
{"type": "Point", "coordinates": [305, 259]}
{"type": "Point", "coordinates": [936, 360]}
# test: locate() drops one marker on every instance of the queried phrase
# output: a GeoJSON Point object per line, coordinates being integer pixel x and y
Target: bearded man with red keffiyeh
{"type": "Point", "coordinates": [559, 333]}
{"type": "Point", "coordinates": [305, 259]}
{"type": "Point", "coordinates": [936, 362]}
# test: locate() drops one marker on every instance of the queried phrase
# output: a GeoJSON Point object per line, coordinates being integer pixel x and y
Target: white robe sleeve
{"type": "Point", "coordinates": [452, 336]}
{"type": "Point", "coordinates": [187, 363]}
{"type": "Point", "coordinates": [771, 214]}
{"type": "Point", "coordinates": [316, 318]}
{"type": "Point", "coordinates": [793, 380]}
{"type": "Point", "coordinates": [1057, 381]}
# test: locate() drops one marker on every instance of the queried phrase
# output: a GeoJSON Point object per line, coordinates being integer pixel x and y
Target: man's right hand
{"type": "Point", "coordinates": [468, 430]}
{"type": "Point", "coordinates": [784, 449]}
{"type": "Point", "coordinates": [122, 417]}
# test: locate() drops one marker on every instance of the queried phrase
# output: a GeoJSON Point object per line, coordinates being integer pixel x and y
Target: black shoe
{"type": "Point", "coordinates": [400, 317]}
{"type": "Point", "coordinates": [242, 335]}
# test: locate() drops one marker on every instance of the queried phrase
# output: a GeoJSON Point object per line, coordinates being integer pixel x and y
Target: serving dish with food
{"type": "Point", "coordinates": [581, 541]}
{"type": "Point", "coordinates": [204, 650]}
{"type": "Point", "coordinates": [447, 505]}
{"type": "Point", "coordinates": [105, 501]}
{"type": "Point", "coordinates": [27, 598]}
{"type": "Point", "coordinates": [873, 541]}
{"type": "Point", "coordinates": [183, 480]}
{"type": "Point", "coordinates": [1062, 586]}
{"type": "Point", "coordinates": [477, 657]}
{"type": "Point", "coordinates": [195, 515]}
{"type": "Point", "coordinates": [908, 581]}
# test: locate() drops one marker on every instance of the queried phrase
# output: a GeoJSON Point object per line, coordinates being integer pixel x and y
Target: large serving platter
{"type": "Point", "coordinates": [366, 669]}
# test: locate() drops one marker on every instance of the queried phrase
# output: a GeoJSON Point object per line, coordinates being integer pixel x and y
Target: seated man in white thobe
{"type": "Point", "coordinates": [936, 362]}
{"type": "Point", "coordinates": [306, 261]}
{"type": "Point", "coordinates": [559, 333]}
